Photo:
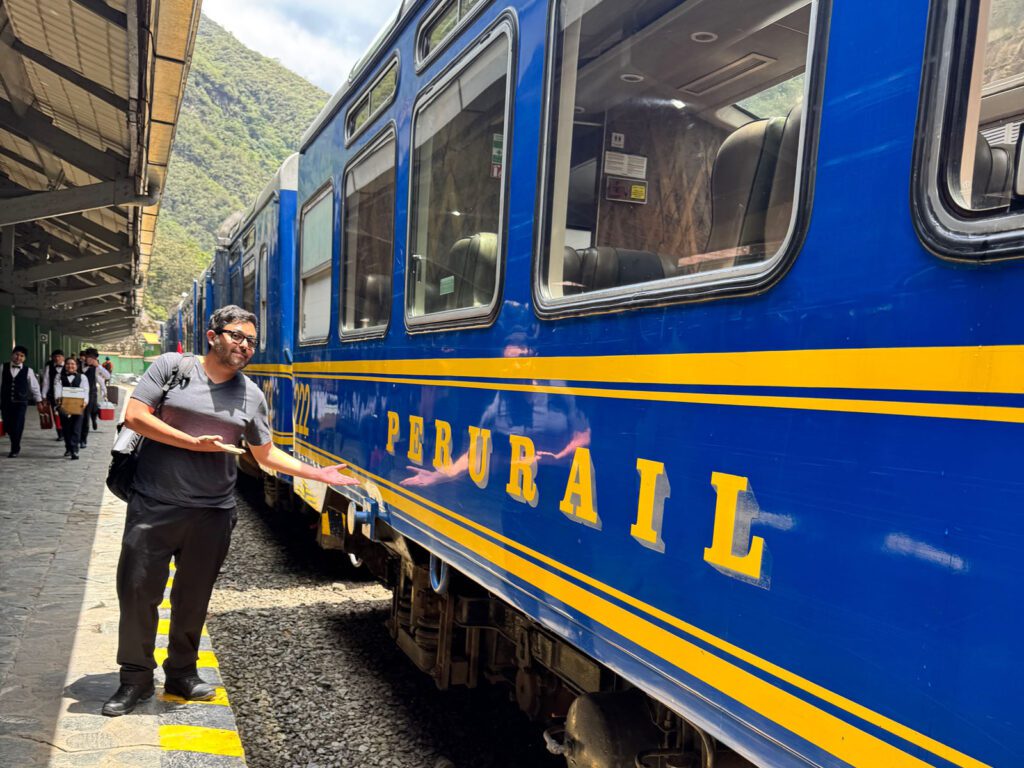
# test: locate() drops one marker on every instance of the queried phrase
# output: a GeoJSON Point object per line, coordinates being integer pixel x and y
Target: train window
{"type": "Point", "coordinates": [969, 191]}
{"type": "Point", "coordinates": [458, 172]}
{"type": "Point", "coordinates": [249, 285]}
{"type": "Point", "coordinates": [676, 142]}
{"type": "Point", "coordinates": [369, 240]}
{"type": "Point", "coordinates": [442, 24]}
{"type": "Point", "coordinates": [316, 244]}
{"type": "Point", "coordinates": [263, 297]}
{"type": "Point", "coordinates": [380, 93]}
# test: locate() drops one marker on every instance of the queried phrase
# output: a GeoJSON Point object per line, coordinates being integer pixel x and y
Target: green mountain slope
{"type": "Point", "coordinates": [243, 114]}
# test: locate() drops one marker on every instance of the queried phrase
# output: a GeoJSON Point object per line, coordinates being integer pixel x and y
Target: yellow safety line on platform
{"type": "Point", "coordinates": [206, 658]}
{"type": "Point", "coordinates": [164, 626]}
{"type": "Point", "coordinates": [220, 699]}
{"type": "Point", "coordinates": [191, 738]}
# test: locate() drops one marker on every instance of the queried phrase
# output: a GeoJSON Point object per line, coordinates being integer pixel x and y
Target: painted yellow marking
{"type": "Point", "coordinates": [931, 369]}
{"type": "Point", "coordinates": [164, 625]}
{"type": "Point", "coordinates": [832, 404]}
{"type": "Point", "coordinates": [220, 699]}
{"type": "Point", "coordinates": [174, 567]}
{"type": "Point", "coordinates": [170, 581]}
{"type": "Point", "coordinates": [166, 604]}
{"type": "Point", "coordinates": [544, 579]}
{"type": "Point", "coordinates": [267, 368]}
{"type": "Point", "coordinates": [206, 658]}
{"type": "Point", "coordinates": [210, 741]}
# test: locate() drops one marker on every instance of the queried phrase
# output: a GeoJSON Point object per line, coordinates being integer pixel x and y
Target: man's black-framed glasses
{"type": "Point", "coordinates": [238, 337]}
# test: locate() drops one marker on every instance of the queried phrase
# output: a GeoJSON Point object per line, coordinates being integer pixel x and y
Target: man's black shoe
{"type": "Point", "coordinates": [13, 454]}
{"type": "Point", "coordinates": [126, 698]}
{"type": "Point", "coordinates": [191, 688]}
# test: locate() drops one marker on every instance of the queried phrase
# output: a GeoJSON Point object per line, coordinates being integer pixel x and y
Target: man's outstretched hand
{"type": "Point", "coordinates": [333, 476]}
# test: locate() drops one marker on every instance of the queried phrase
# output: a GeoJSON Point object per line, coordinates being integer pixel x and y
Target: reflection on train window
{"type": "Point", "coordinates": [249, 285]}
{"type": "Point", "coordinates": [675, 136]}
{"type": "Point", "coordinates": [457, 191]}
{"type": "Point", "coordinates": [982, 163]}
{"type": "Point", "coordinates": [316, 235]}
{"type": "Point", "coordinates": [377, 96]}
{"type": "Point", "coordinates": [263, 297]}
{"type": "Point", "coordinates": [443, 23]}
{"type": "Point", "coordinates": [369, 239]}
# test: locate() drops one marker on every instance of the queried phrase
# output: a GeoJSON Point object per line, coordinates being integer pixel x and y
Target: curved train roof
{"type": "Point", "coordinates": [380, 43]}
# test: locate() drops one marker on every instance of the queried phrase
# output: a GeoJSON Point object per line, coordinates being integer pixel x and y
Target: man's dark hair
{"type": "Point", "coordinates": [228, 314]}
{"type": "Point", "coordinates": [20, 348]}
{"type": "Point", "coordinates": [57, 352]}
{"type": "Point", "coordinates": [91, 352]}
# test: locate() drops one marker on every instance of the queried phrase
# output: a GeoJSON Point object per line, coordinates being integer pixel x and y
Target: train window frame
{"type": "Point", "coordinates": [249, 266]}
{"type": "Point", "coordinates": [423, 60]}
{"type": "Point", "coordinates": [374, 144]}
{"type": "Point", "coordinates": [735, 281]}
{"type": "Point", "coordinates": [944, 227]}
{"type": "Point", "coordinates": [466, 317]}
{"type": "Point", "coordinates": [262, 264]}
{"type": "Point", "coordinates": [351, 134]}
{"type": "Point", "coordinates": [325, 190]}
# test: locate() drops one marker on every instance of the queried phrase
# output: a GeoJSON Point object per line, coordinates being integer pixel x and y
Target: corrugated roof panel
{"type": "Point", "coordinates": [60, 97]}
{"type": "Point", "coordinates": [99, 43]}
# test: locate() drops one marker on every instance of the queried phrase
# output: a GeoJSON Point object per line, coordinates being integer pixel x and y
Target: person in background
{"type": "Point", "coordinates": [183, 505]}
{"type": "Point", "coordinates": [50, 375]}
{"type": "Point", "coordinates": [89, 367]}
{"type": "Point", "coordinates": [70, 377]}
{"type": "Point", "coordinates": [18, 388]}
{"type": "Point", "coordinates": [107, 365]}
{"type": "Point", "coordinates": [102, 378]}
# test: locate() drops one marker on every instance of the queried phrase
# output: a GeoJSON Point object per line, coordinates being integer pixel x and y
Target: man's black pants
{"type": "Point", "coordinates": [14, 423]}
{"type": "Point", "coordinates": [198, 539]}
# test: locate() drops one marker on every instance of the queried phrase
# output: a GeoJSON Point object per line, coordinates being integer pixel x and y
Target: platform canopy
{"type": "Point", "coordinates": [91, 92]}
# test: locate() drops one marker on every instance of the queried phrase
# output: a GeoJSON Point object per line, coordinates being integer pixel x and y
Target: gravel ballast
{"type": "Point", "coordinates": [316, 680]}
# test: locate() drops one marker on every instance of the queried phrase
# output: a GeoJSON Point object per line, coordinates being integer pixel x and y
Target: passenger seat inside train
{"type": "Point", "coordinates": [464, 277]}
{"type": "Point", "coordinates": [993, 175]}
{"type": "Point", "coordinates": [752, 186]}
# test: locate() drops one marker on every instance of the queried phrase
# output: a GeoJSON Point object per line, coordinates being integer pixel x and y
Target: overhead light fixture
{"type": "Point", "coordinates": [456, 213]}
{"type": "Point", "coordinates": [578, 109]}
{"type": "Point", "coordinates": [677, 103]}
{"type": "Point", "coordinates": [703, 37]}
{"type": "Point", "coordinates": [631, 77]}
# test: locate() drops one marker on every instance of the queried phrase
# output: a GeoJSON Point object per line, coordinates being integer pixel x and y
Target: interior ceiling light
{"type": "Point", "coordinates": [703, 37]}
{"type": "Point", "coordinates": [631, 77]}
{"type": "Point", "coordinates": [677, 103]}
{"type": "Point", "coordinates": [578, 109]}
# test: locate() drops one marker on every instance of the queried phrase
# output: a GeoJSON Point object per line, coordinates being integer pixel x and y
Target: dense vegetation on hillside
{"type": "Point", "coordinates": [243, 114]}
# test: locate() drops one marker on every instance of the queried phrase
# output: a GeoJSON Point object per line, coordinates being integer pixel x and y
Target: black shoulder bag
{"type": "Point", "coordinates": [124, 456]}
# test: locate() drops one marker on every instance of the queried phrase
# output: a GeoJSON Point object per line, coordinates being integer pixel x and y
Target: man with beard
{"type": "Point", "coordinates": [182, 504]}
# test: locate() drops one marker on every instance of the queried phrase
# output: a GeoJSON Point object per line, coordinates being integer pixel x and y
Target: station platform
{"type": "Point", "coordinates": [60, 535]}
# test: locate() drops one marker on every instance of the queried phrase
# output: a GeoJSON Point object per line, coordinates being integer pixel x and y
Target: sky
{"type": "Point", "coordinates": [318, 39]}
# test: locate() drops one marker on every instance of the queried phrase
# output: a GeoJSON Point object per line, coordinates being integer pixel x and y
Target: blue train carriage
{"type": "Point", "coordinates": [171, 331]}
{"type": "Point", "coordinates": [260, 264]}
{"type": "Point", "coordinates": [677, 345]}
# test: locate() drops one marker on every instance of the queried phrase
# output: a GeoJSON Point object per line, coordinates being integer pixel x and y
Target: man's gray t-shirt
{"type": "Point", "coordinates": [233, 409]}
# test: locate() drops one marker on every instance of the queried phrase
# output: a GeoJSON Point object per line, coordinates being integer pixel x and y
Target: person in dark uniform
{"type": "Point", "coordinates": [182, 503]}
{"type": "Point", "coordinates": [50, 377]}
{"type": "Point", "coordinates": [18, 388]}
{"type": "Point", "coordinates": [70, 377]}
{"type": "Point", "coordinates": [89, 358]}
